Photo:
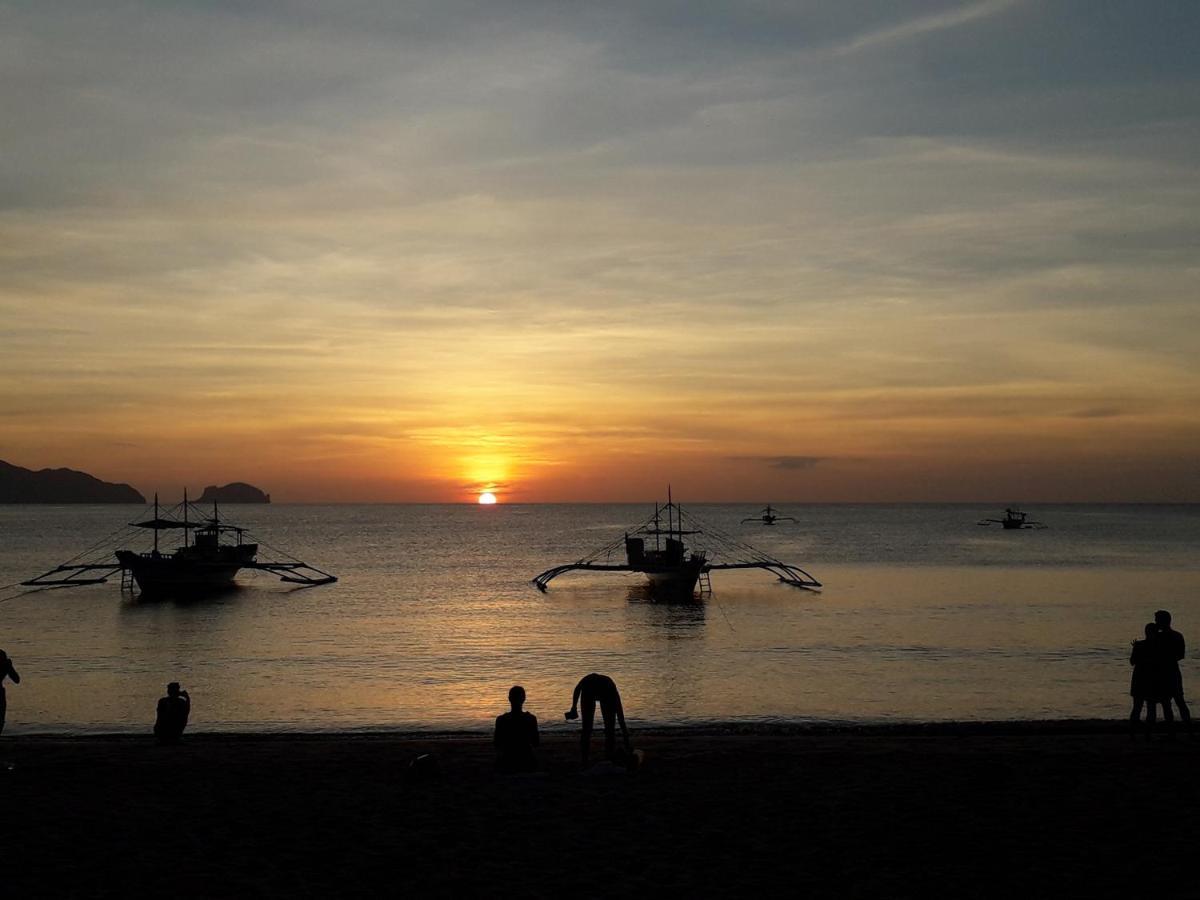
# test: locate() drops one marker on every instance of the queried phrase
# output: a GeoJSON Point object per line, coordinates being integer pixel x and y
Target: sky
{"type": "Point", "coordinates": [762, 251]}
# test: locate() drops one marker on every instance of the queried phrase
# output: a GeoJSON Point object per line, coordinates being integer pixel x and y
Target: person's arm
{"type": "Point", "coordinates": [496, 736]}
{"type": "Point", "coordinates": [12, 673]}
{"type": "Point", "coordinates": [534, 737]}
{"type": "Point", "coordinates": [1180, 650]}
{"type": "Point", "coordinates": [573, 713]}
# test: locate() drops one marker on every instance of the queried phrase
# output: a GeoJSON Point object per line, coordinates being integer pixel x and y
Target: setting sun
{"type": "Point", "coordinates": [487, 498]}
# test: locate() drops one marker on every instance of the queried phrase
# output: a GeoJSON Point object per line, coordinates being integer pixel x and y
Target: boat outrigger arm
{"type": "Point", "coordinates": [714, 552]}
{"type": "Point", "coordinates": [81, 571]}
{"type": "Point", "coordinates": [788, 574]}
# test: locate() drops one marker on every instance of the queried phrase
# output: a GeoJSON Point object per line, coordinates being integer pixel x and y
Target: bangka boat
{"type": "Point", "coordinates": [768, 517]}
{"type": "Point", "coordinates": [671, 566]}
{"type": "Point", "coordinates": [1013, 519]}
{"type": "Point", "coordinates": [210, 556]}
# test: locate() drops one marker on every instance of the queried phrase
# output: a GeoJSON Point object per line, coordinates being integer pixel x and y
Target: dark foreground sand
{"type": "Point", "coordinates": [1034, 810]}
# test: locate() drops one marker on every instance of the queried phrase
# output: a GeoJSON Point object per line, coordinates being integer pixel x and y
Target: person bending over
{"type": "Point", "coordinates": [6, 671]}
{"type": "Point", "coordinates": [591, 689]}
{"type": "Point", "coordinates": [516, 736]}
{"type": "Point", "coordinates": [173, 712]}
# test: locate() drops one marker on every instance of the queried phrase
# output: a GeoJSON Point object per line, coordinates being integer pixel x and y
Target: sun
{"type": "Point", "coordinates": [487, 498]}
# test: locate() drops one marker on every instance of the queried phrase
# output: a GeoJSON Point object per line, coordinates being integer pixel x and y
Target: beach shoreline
{"type": "Point", "coordinates": [970, 809]}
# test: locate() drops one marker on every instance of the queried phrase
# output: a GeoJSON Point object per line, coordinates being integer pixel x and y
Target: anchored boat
{"type": "Point", "coordinates": [768, 516]}
{"type": "Point", "coordinates": [670, 565]}
{"type": "Point", "coordinates": [1013, 519]}
{"type": "Point", "coordinates": [211, 554]}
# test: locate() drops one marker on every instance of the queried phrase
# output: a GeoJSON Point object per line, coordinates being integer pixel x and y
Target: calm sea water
{"type": "Point", "coordinates": [924, 616]}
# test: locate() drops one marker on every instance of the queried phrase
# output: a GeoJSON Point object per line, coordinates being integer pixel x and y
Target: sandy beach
{"type": "Point", "coordinates": [1066, 809]}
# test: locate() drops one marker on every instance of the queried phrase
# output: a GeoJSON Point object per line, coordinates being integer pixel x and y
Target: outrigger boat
{"type": "Point", "coordinates": [1013, 519]}
{"type": "Point", "coordinates": [768, 517]}
{"type": "Point", "coordinates": [210, 556]}
{"type": "Point", "coordinates": [671, 567]}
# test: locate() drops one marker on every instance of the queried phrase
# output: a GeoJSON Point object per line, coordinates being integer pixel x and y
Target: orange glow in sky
{"type": "Point", "coordinates": [394, 260]}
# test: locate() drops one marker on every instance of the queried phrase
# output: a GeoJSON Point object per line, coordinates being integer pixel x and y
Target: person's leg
{"type": "Point", "coordinates": [1185, 714]}
{"type": "Point", "coordinates": [624, 729]}
{"type": "Point", "coordinates": [3, 709]}
{"type": "Point", "coordinates": [1169, 718]}
{"type": "Point", "coordinates": [608, 710]}
{"type": "Point", "coordinates": [1135, 715]}
{"type": "Point", "coordinates": [588, 715]}
{"type": "Point", "coordinates": [1151, 715]}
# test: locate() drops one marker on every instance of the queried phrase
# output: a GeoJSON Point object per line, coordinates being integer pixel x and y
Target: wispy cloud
{"type": "Point", "coordinates": [921, 25]}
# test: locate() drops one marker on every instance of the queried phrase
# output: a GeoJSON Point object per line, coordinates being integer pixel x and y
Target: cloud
{"type": "Point", "coordinates": [926, 24]}
{"type": "Point", "coordinates": [786, 463]}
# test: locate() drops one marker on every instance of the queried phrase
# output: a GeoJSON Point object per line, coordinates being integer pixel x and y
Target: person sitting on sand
{"type": "Point", "coordinates": [172, 718]}
{"type": "Point", "coordinates": [6, 671]}
{"type": "Point", "coordinates": [1147, 686]}
{"type": "Point", "coordinates": [1171, 650]}
{"type": "Point", "coordinates": [516, 736]}
{"type": "Point", "coordinates": [591, 689]}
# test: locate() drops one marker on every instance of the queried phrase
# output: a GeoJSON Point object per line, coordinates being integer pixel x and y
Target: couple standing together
{"type": "Point", "coordinates": [1156, 676]}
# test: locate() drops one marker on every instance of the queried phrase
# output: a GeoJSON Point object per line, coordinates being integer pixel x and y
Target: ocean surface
{"type": "Point", "coordinates": [924, 615]}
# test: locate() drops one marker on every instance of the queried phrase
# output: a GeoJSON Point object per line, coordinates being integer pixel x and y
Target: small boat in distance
{"type": "Point", "coordinates": [670, 566]}
{"type": "Point", "coordinates": [211, 554]}
{"type": "Point", "coordinates": [768, 517]}
{"type": "Point", "coordinates": [1013, 519]}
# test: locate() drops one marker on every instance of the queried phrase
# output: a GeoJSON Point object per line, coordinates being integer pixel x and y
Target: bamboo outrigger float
{"type": "Point", "coordinates": [211, 554]}
{"type": "Point", "coordinates": [670, 566]}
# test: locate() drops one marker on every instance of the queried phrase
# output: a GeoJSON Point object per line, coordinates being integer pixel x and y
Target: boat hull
{"type": "Point", "coordinates": [674, 580]}
{"type": "Point", "coordinates": [183, 572]}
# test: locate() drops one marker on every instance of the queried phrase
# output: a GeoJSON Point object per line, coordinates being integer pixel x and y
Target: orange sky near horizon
{"type": "Point", "coordinates": [761, 255]}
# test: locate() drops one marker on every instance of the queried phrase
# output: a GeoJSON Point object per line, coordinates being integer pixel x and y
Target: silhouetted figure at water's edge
{"type": "Point", "coordinates": [1149, 685]}
{"type": "Point", "coordinates": [593, 689]}
{"type": "Point", "coordinates": [6, 671]}
{"type": "Point", "coordinates": [173, 712]}
{"type": "Point", "coordinates": [516, 736]}
{"type": "Point", "coordinates": [1172, 650]}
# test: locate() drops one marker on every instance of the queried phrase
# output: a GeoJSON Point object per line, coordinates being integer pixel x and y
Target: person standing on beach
{"type": "Point", "coordinates": [593, 689]}
{"type": "Point", "coordinates": [6, 671]}
{"type": "Point", "coordinates": [172, 717]}
{"type": "Point", "coordinates": [1148, 686]}
{"type": "Point", "coordinates": [1171, 650]}
{"type": "Point", "coordinates": [516, 736]}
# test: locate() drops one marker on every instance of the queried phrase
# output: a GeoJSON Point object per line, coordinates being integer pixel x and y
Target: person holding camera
{"type": "Point", "coordinates": [172, 717]}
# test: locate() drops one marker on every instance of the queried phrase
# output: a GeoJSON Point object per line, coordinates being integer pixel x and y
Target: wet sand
{"type": "Point", "coordinates": [1069, 809]}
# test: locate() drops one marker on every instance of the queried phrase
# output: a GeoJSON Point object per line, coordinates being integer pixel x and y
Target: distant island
{"type": "Point", "coordinates": [18, 485]}
{"type": "Point", "coordinates": [235, 492]}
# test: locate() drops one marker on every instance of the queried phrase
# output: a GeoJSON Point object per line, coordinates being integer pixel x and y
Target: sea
{"type": "Point", "coordinates": [923, 616]}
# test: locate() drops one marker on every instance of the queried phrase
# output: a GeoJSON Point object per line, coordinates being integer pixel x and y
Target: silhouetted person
{"type": "Point", "coordinates": [516, 736]}
{"type": "Point", "coordinates": [172, 718]}
{"type": "Point", "coordinates": [6, 671]}
{"type": "Point", "coordinates": [1149, 685]}
{"type": "Point", "coordinates": [600, 689]}
{"type": "Point", "coordinates": [1171, 648]}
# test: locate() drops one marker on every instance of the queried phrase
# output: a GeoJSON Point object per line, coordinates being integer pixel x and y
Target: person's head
{"type": "Point", "coordinates": [1151, 629]}
{"type": "Point", "coordinates": [1162, 619]}
{"type": "Point", "coordinates": [173, 689]}
{"type": "Point", "coordinates": [516, 696]}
